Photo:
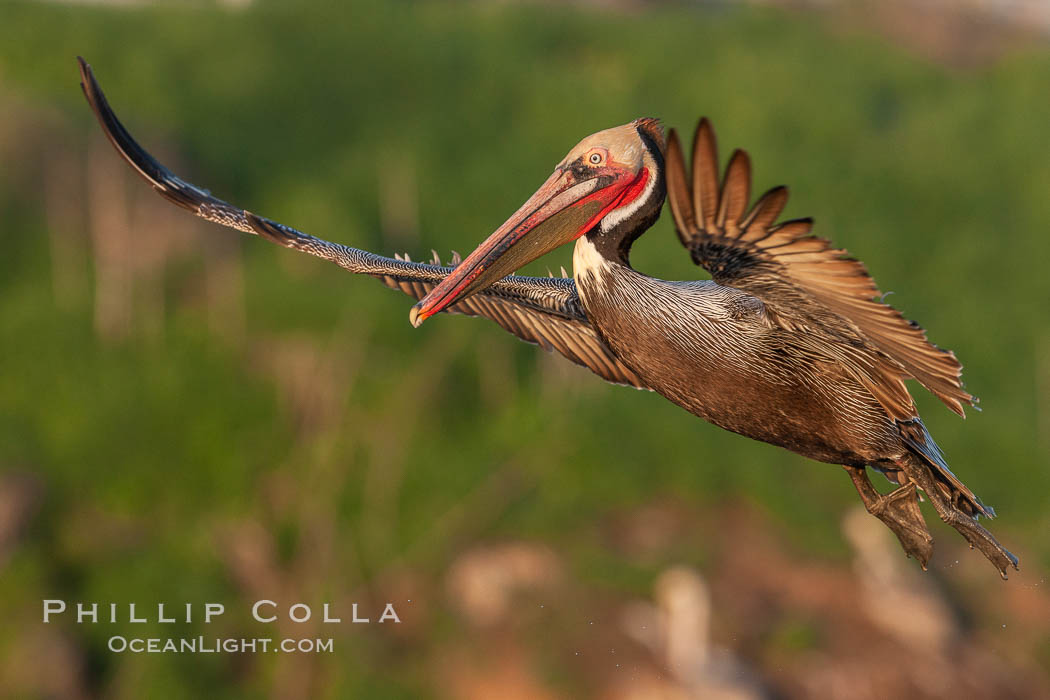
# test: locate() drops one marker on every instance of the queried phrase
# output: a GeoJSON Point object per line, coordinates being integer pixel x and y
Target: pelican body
{"type": "Point", "coordinates": [788, 343]}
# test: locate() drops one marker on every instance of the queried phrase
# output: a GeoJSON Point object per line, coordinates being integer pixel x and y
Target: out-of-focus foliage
{"type": "Point", "coordinates": [188, 417]}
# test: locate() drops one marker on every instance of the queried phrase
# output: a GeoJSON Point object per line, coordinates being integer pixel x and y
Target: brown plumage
{"type": "Point", "coordinates": [788, 344]}
{"type": "Point", "coordinates": [804, 276]}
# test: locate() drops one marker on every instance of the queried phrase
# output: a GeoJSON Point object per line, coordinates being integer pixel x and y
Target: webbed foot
{"type": "Point", "coordinates": [965, 525]}
{"type": "Point", "coordinates": [899, 511]}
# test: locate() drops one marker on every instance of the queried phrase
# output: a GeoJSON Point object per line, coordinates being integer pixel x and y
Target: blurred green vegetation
{"type": "Point", "coordinates": [938, 179]}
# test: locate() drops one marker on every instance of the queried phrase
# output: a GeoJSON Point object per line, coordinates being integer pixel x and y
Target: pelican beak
{"type": "Point", "coordinates": [563, 209]}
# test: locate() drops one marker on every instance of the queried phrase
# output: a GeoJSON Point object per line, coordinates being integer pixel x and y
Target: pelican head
{"type": "Point", "coordinates": [600, 184]}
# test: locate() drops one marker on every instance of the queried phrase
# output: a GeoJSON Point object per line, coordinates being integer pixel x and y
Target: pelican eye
{"type": "Point", "coordinates": [596, 158]}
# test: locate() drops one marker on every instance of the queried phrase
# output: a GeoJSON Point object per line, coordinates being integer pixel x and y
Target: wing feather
{"type": "Point", "coordinates": [705, 174]}
{"type": "Point", "coordinates": [802, 278]}
{"type": "Point", "coordinates": [539, 310]}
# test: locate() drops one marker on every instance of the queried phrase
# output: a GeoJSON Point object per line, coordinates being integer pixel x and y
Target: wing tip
{"type": "Point", "coordinates": [704, 127]}
{"type": "Point", "coordinates": [85, 70]}
{"type": "Point", "coordinates": [678, 196]}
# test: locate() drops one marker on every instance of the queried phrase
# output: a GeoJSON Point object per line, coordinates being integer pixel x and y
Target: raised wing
{"type": "Point", "coordinates": [800, 277]}
{"type": "Point", "coordinates": [544, 311]}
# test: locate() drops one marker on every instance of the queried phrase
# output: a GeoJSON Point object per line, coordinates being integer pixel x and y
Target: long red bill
{"type": "Point", "coordinates": [560, 211]}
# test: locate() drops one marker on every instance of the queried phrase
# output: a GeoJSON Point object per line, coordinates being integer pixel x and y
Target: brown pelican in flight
{"type": "Point", "coordinates": [788, 343]}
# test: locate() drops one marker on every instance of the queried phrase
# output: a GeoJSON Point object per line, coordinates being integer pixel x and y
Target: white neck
{"type": "Point", "coordinates": [589, 267]}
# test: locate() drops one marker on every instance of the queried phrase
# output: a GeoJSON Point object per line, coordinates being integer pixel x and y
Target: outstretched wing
{"type": "Point", "coordinates": [544, 311]}
{"type": "Point", "coordinates": [801, 278]}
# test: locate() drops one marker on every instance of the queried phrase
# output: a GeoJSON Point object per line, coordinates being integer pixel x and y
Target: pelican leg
{"type": "Point", "coordinates": [899, 511]}
{"type": "Point", "coordinates": [964, 524]}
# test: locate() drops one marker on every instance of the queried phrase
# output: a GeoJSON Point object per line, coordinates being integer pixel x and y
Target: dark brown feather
{"type": "Point", "coordinates": [676, 181]}
{"type": "Point", "coordinates": [802, 278]}
{"type": "Point", "coordinates": [736, 191]}
{"type": "Point", "coordinates": [705, 174]}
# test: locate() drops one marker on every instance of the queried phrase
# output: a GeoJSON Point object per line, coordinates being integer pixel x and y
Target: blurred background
{"type": "Point", "coordinates": [188, 415]}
